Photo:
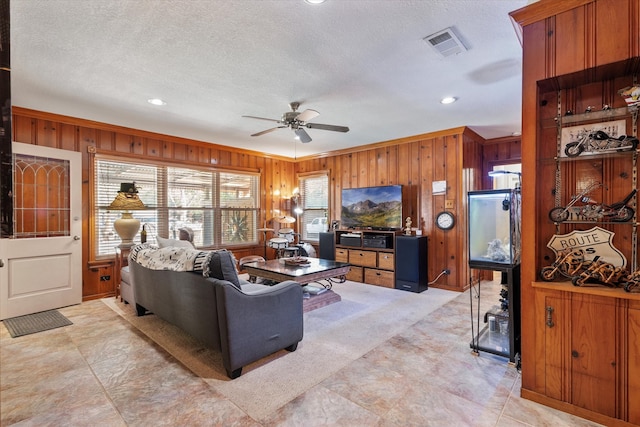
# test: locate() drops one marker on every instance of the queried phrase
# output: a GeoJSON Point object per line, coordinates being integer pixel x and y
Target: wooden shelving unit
{"type": "Point", "coordinates": [371, 254]}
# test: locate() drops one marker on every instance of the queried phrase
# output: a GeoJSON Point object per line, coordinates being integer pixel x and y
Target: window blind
{"type": "Point", "coordinates": [221, 207]}
{"type": "Point", "coordinates": [314, 202]}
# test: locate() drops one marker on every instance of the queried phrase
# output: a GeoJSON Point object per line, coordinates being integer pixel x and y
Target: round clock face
{"type": "Point", "coordinates": [445, 220]}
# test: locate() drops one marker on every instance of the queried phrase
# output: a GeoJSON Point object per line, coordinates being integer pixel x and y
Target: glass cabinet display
{"type": "Point", "coordinates": [494, 228]}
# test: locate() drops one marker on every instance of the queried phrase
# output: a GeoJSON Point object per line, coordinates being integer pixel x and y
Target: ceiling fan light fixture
{"type": "Point", "coordinates": [297, 122]}
{"type": "Point", "coordinates": [302, 135]}
{"type": "Point", "coordinates": [448, 100]}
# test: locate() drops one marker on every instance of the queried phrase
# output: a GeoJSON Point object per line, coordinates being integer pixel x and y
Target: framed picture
{"type": "Point", "coordinates": [335, 224]}
{"type": "Point", "coordinates": [573, 134]}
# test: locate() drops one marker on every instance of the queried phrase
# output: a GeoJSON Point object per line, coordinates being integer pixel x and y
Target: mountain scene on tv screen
{"type": "Point", "coordinates": [372, 212]}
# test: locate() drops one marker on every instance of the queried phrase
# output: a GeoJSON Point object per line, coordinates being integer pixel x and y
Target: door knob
{"type": "Point", "coordinates": [76, 237]}
{"type": "Point", "coordinates": [1, 263]}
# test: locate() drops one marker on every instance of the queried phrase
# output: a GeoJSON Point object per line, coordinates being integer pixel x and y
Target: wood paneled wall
{"type": "Point", "coordinates": [578, 47]}
{"type": "Point", "coordinates": [454, 155]}
{"type": "Point", "coordinates": [68, 133]}
{"type": "Point", "coordinates": [499, 151]}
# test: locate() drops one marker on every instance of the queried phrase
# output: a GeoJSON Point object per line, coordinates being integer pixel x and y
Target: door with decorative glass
{"type": "Point", "coordinates": [41, 262]}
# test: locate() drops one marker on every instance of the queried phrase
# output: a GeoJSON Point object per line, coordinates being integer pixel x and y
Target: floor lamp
{"type": "Point", "coordinates": [127, 226]}
{"type": "Point", "coordinates": [298, 212]}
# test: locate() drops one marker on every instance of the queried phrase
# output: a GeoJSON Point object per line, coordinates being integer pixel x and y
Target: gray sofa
{"type": "Point", "coordinates": [244, 321]}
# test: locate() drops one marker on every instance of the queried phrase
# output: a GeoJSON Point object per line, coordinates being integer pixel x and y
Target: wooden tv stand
{"type": "Point", "coordinates": [371, 254]}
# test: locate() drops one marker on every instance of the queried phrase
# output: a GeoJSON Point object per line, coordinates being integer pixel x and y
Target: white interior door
{"type": "Point", "coordinates": [41, 265]}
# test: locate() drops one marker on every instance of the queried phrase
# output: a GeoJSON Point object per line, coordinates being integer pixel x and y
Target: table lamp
{"type": "Point", "coordinates": [127, 200]}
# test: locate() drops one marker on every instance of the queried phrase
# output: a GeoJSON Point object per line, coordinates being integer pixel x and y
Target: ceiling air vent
{"type": "Point", "coordinates": [445, 42]}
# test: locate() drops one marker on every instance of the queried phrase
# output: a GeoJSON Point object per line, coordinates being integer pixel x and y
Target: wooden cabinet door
{"type": "Point", "coordinates": [593, 353]}
{"type": "Point", "coordinates": [552, 342]}
{"type": "Point", "coordinates": [633, 360]}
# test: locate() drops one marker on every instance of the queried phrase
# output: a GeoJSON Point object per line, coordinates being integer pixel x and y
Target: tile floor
{"type": "Point", "coordinates": [103, 372]}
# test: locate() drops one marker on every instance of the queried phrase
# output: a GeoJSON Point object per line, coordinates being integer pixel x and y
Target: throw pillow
{"type": "Point", "coordinates": [166, 243]}
{"type": "Point", "coordinates": [222, 266]}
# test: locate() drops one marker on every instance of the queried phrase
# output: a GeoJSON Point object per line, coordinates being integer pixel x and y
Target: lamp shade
{"type": "Point", "coordinates": [127, 199]}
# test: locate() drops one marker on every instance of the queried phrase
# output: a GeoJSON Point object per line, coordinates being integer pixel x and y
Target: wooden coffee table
{"type": "Point", "coordinates": [316, 271]}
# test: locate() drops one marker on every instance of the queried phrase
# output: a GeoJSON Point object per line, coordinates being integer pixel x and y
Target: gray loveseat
{"type": "Point", "coordinates": [243, 320]}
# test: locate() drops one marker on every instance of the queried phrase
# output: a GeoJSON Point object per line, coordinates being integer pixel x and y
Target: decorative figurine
{"type": "Point", "coordinates": [569, 263]}
{"type": "Point", "coordinates": [407, 229]}
{"type": "Point", "coordinates": [631, 95]}
{"type": "Point", "coordinates": [632, 282]}
{"type": "Point", "coordinates": [602, 273]}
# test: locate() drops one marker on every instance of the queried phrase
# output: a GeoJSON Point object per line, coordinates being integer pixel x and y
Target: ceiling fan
{"type": "Point", "coordinates": [298, 121]}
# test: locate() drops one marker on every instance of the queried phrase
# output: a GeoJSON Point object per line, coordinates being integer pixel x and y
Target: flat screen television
{"type": "Point", "coordinates": [378, 208]}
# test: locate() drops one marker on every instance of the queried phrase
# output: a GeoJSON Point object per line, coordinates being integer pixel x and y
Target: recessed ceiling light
{"type": "Point", "coordinates": [314, 1]}
{"type": "Point", "coordinates": [448, 100]}
{"type": "Point", "coordinates": [156, 101]}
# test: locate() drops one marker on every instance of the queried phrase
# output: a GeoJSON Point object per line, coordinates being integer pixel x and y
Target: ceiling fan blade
{"type": "Point", "coordinates": [302, 135]}
{"type": "Point", "coordinates": [262, 118]}
{"type": "Point", "coordinates": [268, 130]}
{"type": "Point", "coordinates": [327, 127]}
{"type": "Point", "coordinates": [307, 115]}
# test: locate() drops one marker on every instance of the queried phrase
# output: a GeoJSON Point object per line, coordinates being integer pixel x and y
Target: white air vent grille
{"type": "Point", "coordinates": [445, 42]}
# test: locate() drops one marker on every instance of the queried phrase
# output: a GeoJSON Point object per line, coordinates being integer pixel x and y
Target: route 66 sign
{"type": "Point", "coordinates": [595, 242]}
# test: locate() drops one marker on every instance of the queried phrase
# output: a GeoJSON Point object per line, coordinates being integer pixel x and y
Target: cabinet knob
{"type": "Point", "coordinates": [549, 322]}
{"type": "Point", "coordinates": [575, 354]}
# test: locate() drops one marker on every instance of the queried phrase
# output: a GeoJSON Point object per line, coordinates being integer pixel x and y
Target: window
{"type": "Point", "coordinates": [314, 202]}
{"type": "Point", "coordinates": [221, 207]}
{"type": "Point", "coordinates": [511, 177]}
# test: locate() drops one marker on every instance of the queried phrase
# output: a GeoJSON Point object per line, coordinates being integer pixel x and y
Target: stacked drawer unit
{"type": "Point", "coordinates": [369, 265]}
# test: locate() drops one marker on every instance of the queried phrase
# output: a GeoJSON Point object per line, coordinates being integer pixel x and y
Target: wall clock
{"type": "Point", "coordinates": [445, 220]}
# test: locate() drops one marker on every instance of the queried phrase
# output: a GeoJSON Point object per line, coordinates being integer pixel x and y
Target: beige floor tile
{"type": "Point", "coordinates": [371, 386]}
{"type": "Point", "coordinates": [321, 407]}
{"type": "Point", "coordinates": [103, 371]}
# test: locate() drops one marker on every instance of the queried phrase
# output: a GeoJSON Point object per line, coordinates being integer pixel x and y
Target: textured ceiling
{"type": "Point", "coordinates": [360, 63]}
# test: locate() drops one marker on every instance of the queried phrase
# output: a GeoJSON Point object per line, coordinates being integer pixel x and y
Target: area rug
{"type": "Point", "coordinates": [36, 322]}
{"type": "Point", "coordinates": [334, 336]}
